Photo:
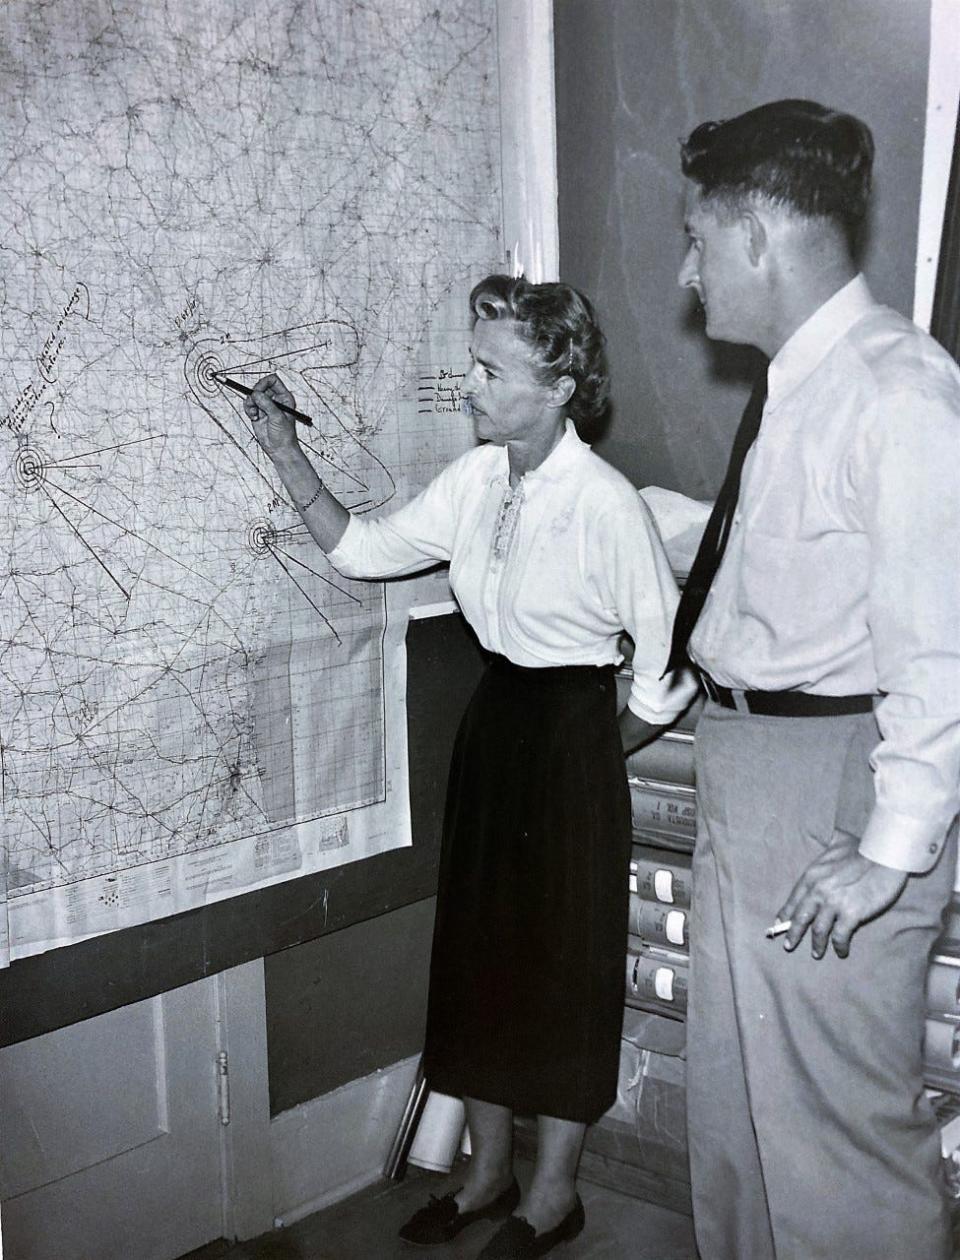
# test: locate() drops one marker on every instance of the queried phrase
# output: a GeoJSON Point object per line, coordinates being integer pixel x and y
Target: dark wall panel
{"type": "Point", "coordinates": [633, 78]}
{"type": "Point", "coordinates": [342, 1006]}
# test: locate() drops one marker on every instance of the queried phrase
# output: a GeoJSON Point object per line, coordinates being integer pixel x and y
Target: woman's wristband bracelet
{"type": "Point", "coordinates": [302, 507]}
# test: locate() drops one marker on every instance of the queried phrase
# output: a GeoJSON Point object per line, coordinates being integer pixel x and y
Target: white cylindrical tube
{"type": "Point", "coordinates": [438, 1134]}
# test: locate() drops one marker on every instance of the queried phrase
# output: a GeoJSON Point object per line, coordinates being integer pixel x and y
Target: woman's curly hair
{"type": "Point", "coordinates": [559, 323]}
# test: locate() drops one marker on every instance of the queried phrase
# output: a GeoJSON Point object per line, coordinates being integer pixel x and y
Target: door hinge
{"type": "Point", "coordinates": [223, 1087]}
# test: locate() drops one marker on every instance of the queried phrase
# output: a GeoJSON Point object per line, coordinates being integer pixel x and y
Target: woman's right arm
{"type": "Point", "coordinates": [324, 516]}
{"type": "Point", "coordinates": [404, 541]}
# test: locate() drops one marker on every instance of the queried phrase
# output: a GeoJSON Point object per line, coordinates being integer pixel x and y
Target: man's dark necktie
{"type": "Point", "coordinates": [715, 536]}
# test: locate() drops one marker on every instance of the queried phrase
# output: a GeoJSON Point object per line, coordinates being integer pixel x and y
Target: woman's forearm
{"type": "Point", "coordinates": [275, 430]}
{"type": "Point", "coordinates": [324, 516]}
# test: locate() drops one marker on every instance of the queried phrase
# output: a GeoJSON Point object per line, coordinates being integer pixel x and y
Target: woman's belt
{"type": "Point", "coordinates": [785, 703]}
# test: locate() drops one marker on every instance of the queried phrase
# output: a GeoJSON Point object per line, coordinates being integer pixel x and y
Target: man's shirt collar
{"type": "Point", "coordinates": [816, 337]}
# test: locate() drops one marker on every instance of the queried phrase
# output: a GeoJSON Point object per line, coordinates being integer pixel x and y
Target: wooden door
{"type": "Point", "coordinates": [112, 1134]}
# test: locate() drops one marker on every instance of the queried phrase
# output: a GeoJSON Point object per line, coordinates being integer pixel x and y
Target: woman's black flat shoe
{"type": "Point", "coordinates": [516, 1239]}
{"type": "Point", "coordinates": [442, 1220]}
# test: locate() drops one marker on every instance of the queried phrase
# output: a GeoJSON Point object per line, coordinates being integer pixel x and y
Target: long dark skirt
{"type": "Point", "coordinates": [527, 973]}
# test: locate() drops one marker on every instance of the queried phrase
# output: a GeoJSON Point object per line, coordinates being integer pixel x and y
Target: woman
{"type": "Point", "coordinates": [551, 556]}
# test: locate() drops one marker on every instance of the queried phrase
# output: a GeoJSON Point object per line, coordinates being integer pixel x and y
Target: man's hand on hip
{"type": "Point", "coordinates": [835, 894]}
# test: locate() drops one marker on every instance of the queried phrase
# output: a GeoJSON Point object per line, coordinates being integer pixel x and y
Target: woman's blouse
{"type": "Point", "coordinates": [548, 573]}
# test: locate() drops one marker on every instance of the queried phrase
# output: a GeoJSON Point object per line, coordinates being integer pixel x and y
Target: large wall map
{"type": "Point", "coordinates": [192, 701]}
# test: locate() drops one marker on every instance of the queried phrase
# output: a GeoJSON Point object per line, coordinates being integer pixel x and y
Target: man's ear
{"type": "Point", "coordinates": [561, 391]}
{"type": "Point", "coordinates": [755, 235]}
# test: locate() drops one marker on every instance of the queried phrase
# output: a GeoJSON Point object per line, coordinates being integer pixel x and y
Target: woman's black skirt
{"type": "Point", "coordinates": [527, 973]}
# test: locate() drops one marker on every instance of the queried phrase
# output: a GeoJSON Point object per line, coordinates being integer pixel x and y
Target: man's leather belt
{"type": "Point", "coordinates": [785, 703]}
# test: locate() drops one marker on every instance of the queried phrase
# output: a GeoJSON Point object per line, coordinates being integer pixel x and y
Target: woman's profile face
{"type": "Point", "coordinates": [507, 400]}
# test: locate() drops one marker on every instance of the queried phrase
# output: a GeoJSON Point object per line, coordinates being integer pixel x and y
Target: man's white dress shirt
{"type": "Point", "coordinates": [547, 574]}
{"type": "Point", "coordinates": [842, 571]}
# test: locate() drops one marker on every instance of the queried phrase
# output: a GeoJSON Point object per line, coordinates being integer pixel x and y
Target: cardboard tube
{"type": "Point", "coordinates": [438, 1134]}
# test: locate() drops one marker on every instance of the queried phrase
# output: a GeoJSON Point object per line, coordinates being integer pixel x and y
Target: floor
{"type": "Point", "coordinates": [365, 1226]}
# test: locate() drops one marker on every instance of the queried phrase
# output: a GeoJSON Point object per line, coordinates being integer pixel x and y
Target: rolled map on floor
{"type": "Point", "coordinates": [439, 1133]}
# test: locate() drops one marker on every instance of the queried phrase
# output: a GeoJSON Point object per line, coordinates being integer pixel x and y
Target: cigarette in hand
{"type": "Point", "coordinates": [778, 928]}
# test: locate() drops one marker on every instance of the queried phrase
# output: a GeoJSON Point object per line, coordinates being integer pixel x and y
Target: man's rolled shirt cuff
{"type": "Point", "coordinates": [661, 701]}
{"type": "Point", "coordinates": [902, 842]}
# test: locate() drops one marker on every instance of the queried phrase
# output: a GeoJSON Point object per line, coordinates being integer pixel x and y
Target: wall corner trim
{"type": "Point", "coordinates": [943, 93]}
{"type": "Point", "coordinates": [528, 137]}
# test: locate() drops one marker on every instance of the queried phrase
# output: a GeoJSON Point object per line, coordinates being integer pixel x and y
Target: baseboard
{"type": "Point", "coordinates": [335, 1145]}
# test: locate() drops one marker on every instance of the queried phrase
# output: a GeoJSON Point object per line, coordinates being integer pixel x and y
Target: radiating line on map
{"type": "Point", "coordinates": [110, 450]}
{"type": "Point", "coordinates": [242, 450]}
{"type": "Point", "coordinates": [31, 469]}
{"type": "Point", "coordinates": [56, 506]}
{"type": "Point", "coordinates": [321, 576]}
{"type": "Point", "coordinates": [336, 467]}
{"type": "Point", "coordinates": [237, 369]}
{"type": "Point", "coordinates": [393, 485]}
{"type": "Point", "coordinates": [130, 533]}
{"type": "Point", "coordinates": [344, 333]}
{"type": "Point", "coordinates": [262, 538]}
{"type": "Point", "coordinates": [327, 622]}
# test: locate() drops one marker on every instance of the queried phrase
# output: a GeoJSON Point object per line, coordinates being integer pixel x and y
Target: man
{"type": "Point", "coordinates": [825, 613]}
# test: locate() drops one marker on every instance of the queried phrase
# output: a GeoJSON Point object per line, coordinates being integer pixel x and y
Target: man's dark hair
{"type": "Point", "coordinates": [797, 154]}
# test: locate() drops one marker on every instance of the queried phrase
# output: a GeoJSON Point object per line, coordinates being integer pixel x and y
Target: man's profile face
{"type": "Point", "coordinates": [717, 267]}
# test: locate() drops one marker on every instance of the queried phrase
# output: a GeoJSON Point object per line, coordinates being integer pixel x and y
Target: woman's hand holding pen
{"type": "Point", "coordinates": [274, 430]}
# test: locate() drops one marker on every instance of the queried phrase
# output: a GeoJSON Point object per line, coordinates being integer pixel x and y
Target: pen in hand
{"type": "Point", "coordinates": [246, 391]}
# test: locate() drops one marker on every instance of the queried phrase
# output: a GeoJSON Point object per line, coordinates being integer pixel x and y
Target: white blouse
{"type": "Point", "coordinates": [547, 574]}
